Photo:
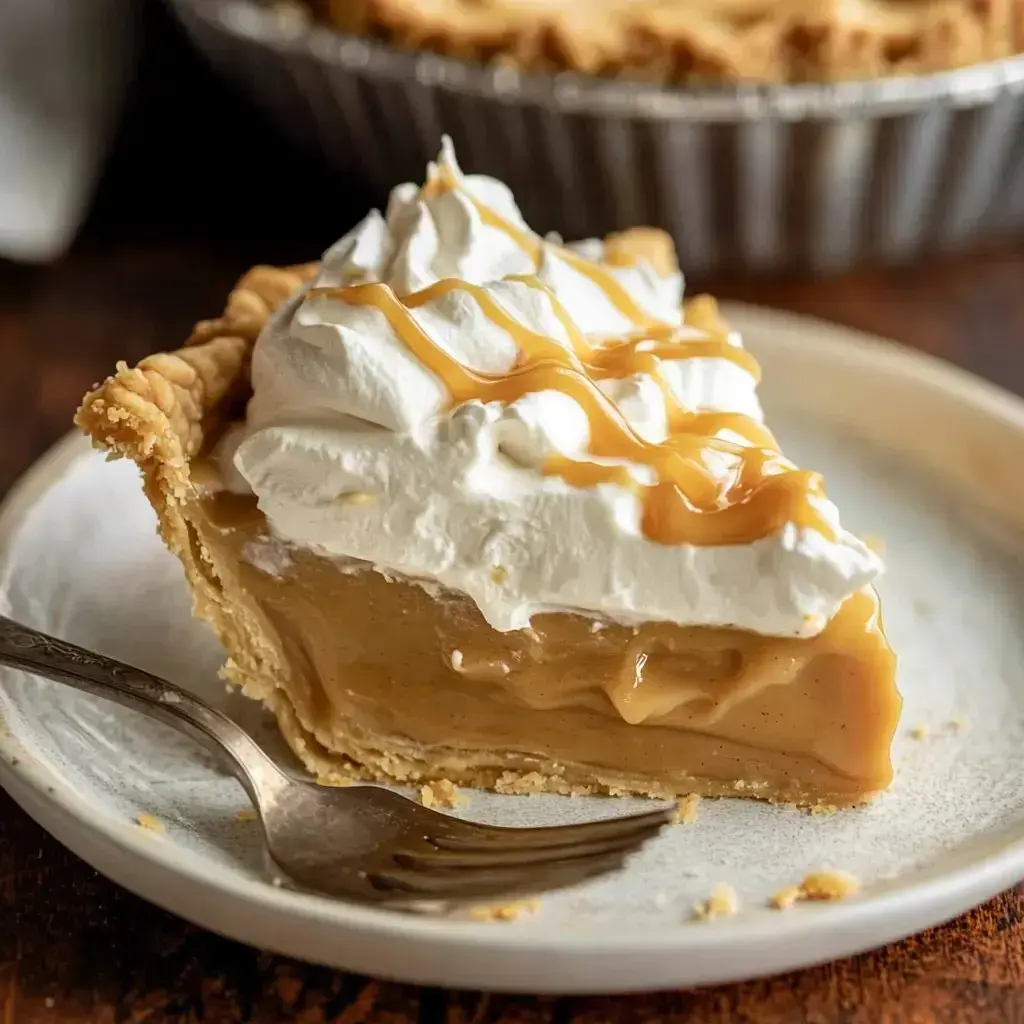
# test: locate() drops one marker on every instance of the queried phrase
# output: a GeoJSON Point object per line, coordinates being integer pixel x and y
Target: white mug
{"type": "Point", "coordinates": [64, 69]}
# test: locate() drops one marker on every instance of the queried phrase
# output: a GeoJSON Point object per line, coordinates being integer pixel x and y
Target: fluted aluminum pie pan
{"type": "Point", "coordinates": [749, 180]}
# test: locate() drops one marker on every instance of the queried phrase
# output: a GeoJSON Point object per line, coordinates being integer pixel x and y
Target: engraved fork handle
{"type": "Point", "coordinates": [28, 649]}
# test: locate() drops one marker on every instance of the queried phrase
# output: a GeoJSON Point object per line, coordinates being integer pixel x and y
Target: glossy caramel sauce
{"type": "Point", "coordinates": [689, 501]}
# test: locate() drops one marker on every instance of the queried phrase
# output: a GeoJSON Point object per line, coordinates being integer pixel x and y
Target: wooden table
{"type": "Point", "coordinates": [181, 213]}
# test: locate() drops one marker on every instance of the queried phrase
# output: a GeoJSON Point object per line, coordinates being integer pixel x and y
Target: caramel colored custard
{"type": "Point", "coordinates": [376, 665]}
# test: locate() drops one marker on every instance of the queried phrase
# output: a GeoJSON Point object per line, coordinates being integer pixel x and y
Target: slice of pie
{"type": "Point", "coordinates": [464, 503]}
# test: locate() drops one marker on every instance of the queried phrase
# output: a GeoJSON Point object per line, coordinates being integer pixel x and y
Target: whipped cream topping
{"type": "Point", "coordinates": [355, 448]}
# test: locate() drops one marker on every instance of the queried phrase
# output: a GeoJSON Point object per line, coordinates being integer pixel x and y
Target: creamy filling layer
{"type": "Point", "coordinates": [379, 665]}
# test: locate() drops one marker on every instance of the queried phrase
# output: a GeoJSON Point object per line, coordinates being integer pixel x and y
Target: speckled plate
{"type": "Point", "coordinates": [916, 453]}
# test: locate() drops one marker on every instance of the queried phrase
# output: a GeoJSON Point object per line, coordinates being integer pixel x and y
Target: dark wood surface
{"type": "Point", "coordinates": [189, 202]}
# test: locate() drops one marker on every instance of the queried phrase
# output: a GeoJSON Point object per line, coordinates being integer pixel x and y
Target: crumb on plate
{"type": "Point", "coordinates": [919, 732]}
{"type": "Point", "coordinates": [785, 897]}
{"type": "Point", "coordinates": [829, 885]}
{"type": "Point", "coordinates": [151, 824]}
{"type": "Point", "coordinates": [686, 810]}
{"type": "Point", "coordinates": [723, 902]}
{"type": "Point", "coordinates": [818, 886]}
{"type": "Point", "coordinates": [504, 911]}
{"type": "Point", "coordinates": [246, 814]}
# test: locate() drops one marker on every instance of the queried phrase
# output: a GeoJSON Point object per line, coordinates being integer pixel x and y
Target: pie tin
{"type": "Point", "coordinates": [751, 180]}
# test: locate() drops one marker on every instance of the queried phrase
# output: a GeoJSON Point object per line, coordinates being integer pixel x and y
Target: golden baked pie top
{"type": "Point", "coordinates": [684, 41]}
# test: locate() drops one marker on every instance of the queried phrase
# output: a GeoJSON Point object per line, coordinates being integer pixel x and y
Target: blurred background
{"type": "Point", "coordinates": [768, 138]}
{"type": "Point", "coordinates": [160, 146]}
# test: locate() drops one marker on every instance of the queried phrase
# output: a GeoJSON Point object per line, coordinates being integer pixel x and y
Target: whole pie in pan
{"type": "Point", "coordinates": [466, 503]}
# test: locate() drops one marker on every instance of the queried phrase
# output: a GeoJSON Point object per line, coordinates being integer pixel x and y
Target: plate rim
{"type": "Point", "coordinates": [911, 906]}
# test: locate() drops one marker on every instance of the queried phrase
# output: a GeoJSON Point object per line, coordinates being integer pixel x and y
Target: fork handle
{"type": "Point", "coordinates": [22, 647]}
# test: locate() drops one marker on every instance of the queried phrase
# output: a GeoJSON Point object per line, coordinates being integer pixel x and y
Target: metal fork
{"type": "Point", "coordinates": [362, 843]}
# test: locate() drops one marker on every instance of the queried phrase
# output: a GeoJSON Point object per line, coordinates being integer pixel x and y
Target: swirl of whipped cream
{"type": "Point", "coordinates": [355, 449]}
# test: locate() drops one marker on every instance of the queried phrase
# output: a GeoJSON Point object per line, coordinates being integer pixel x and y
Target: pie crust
{"type": "Point", "coordinates": [687, 41]}
{"type": "Point", "coordinates": [375, 677]}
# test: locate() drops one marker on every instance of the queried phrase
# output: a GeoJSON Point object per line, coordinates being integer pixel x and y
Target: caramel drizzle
{"type": "Point", "coordinates": [687, 504]}
{"type": "Point", "coordinates": [643, 352]}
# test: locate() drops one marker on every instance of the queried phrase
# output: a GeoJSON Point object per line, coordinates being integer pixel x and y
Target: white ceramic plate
{"type": "Point", "coordinates": [914, 451]}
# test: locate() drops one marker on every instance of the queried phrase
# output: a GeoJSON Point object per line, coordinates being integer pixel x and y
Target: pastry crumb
{"type": "Point", "coordinates": [785, 897]}
{"type": "Point", "coordinates": [958, 724]}
{"type": "Point", "coordinates": [504, 911]}
{"type": "Point", "coordinates": [441, 793]}
{"type": "Point", "coordinates": [875, 543]}
{"type": "Point", "coordinates": [819, 886]}
{"type": "Point", "coordinates": [723, 902]}
{"type": "Point", "coordinates": [246, 814]}
{"type": "Point", "coordinates": [686, 810]}
{"type": "Point", "coordinates": [151, 824]}
{"type": "Point", "coordinates": [919, 732]}
{"type": "Point", "coordinates": [499, 574]}
{"type": "Point", "coordinates": [829, 885]}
